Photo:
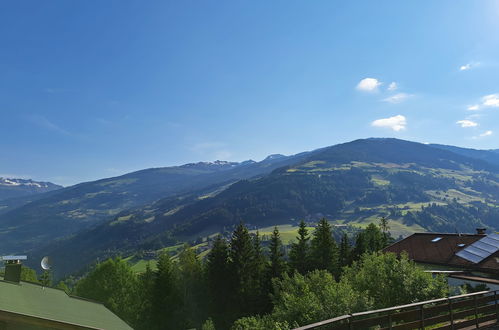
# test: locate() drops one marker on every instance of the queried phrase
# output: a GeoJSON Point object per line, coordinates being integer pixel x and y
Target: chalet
{"type": "Point", "coordinates": [472, 258]}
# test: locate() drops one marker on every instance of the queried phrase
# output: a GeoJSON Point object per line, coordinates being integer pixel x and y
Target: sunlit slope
{"type": "Point", "coordinates": [417, 186]}
{"type": "Point", "coordinates": [69, 210]}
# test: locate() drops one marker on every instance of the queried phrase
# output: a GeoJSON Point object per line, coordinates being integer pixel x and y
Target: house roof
{"type": "Point", "coordinates": [441, 248]}
{"type": "Point", "coordinates": [35, 304]}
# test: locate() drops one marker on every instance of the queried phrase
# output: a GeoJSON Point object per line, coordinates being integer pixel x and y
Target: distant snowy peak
{"type": "Point", "coordinates": [10, 182]}
{"type": "Point", "coordinates": [216, 165]}
{"type": "Point", "coordinates": [12, 188]}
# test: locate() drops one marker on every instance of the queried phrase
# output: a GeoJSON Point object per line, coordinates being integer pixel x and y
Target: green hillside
{"type": "Point", "coordinates": [418, 187]}
{"type": "Point", "coordinates": [30, 224]}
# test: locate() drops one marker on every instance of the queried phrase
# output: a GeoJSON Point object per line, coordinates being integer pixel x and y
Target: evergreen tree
{"type": "Point", "coordinates": [277, 264]}
{"type": "Point", "coordinates": [383, 225]}
{"type": "Point", "coordinates": [300, 251]}
{"type": "Point", "coordinates": [166, 301]}
{"type": "Point", "coordinates": [259, 297]}
{"type": "Point", "coordinates": [219, 284]}
{"type": "Point", "coordinates": [275, 268]}
{"type": "Point", "coordinates": [323, 248]}
{"type": "Point", "coordinates": [369, 240]}
{"type": "Point", "coordinates": [192, 288]}
{"type": "Point", "coordinates": [147, 286]}
{"type": "Point", "coordinates": [345, 254]}
{"type": "Point", "coordinates": [245, 271]}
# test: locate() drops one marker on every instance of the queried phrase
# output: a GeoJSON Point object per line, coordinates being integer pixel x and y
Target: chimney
{"type": "Point", "coordinates": [481, 231]}
{"type": "Point", "coordinates": [13, 268]}
{"type": "Point", "coordinates": [13, 271]}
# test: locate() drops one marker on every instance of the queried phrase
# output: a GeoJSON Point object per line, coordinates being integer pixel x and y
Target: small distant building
{"type": "Point", "coordinates": [464, 258]}
{"type": "Point", "coordinates": [31, 306]}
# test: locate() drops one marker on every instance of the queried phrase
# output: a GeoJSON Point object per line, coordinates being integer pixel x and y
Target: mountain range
{"type": "Point", "coordinates": [13, 188]}
{"type": "Point", "coordinates": [417, 186]}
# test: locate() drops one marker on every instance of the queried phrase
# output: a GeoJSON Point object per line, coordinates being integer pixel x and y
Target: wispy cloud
{"type": "Point", "coordinates": [487, 101]}
{"type": "Point", "coordinates": [491, 100]}
{"type": "Point", "coordinates": [392, 87]}
{"type": "Point", "coordinates": [397, 98]}
{"type": "Point", "coordinates": [466, 123]}
{"type": "Point", "coordinates": [468, 66]}
{"type": "Point", "coordinates": [369, 85]}
{"type": "Point", "coordinates": [483, 135]}
{"type": "Point", "coordinates": [396, 123]}
{"type": "Point", "coordinates": [44, 123]}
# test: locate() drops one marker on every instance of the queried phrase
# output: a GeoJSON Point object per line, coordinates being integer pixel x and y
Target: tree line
{"type": "Point", "coordinates": [242, 285]}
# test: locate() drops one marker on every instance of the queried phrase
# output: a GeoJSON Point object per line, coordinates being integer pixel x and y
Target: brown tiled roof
{"type": "Point", "coordinates": [421, 248]}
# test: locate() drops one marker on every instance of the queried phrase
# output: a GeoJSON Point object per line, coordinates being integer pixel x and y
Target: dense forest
{"type": "Point", "coordinates": [241, 284]}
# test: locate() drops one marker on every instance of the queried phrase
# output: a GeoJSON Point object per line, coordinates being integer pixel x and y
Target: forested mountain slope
{"type": "Point", "coordinates": [413, 184]}
{"type": "Point", "coordinates": [25, 226]}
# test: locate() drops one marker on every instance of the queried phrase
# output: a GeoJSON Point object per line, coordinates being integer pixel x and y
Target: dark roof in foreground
{"type": "Point", "coordinates": [35, 304]}
{"type": "Point", "coordinates": [441, 248]}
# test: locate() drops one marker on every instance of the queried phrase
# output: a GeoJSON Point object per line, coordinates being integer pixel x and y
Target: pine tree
{"type": "Point", "coordinates": [277, 263]}
{"type": "Point", "coordinates": [167, 302]}
{"type": "Point", "coordinates": [369, 240]}
{"type": "Point", "coordinates": [383, 225]}
{"type": "Point", "coordinates": [300, 251]}
{"type": "Point", "coordinates": [219, 285]}
{"type": "Point", "coordinates": [345, 253]}
{"type": "Point", "coordinates": [192, 288]}
{"type": "Point", "coordinates": [146, 289]}
{"type": "Point", "coordinates": [246, 269]}
{"type": "Point", "coordinates": [242, 256]}
{"type": "Point", "coordinates": [324, 249]}
{"type": "Point", "coordinates": [259, 295]}
{"type": "Point", "coordinates": [275, 268]}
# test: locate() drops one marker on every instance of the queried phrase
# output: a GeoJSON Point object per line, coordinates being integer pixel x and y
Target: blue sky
{"type": "Point", "coordinates": [92, 89]}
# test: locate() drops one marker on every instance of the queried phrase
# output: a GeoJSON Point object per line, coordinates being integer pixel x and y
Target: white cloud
{"type": "Point", "coordinates": [393, 86]}
{"type": "Point", "coordinates": [397, 98]}
{"type": "Point", "coordinates": [474, 107]}
{"type": "Point", "coordinates": [468, 66]}
{"type": "Point", "coordinates": [369, 85]}
{"type": "Point", "coordinates": [396, 123]}
{"type": "Point", "coordinates": [486, 133]}
{"type": "Point", "coordinates": [466, 123]}
{"type": "Point", "coordinates": [465, 67]}
{"type": "Point", "coordinates": [491, 100]}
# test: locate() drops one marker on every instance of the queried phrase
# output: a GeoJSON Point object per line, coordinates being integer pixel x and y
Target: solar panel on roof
{"type": "Point", "coordinates": [481, 249]}
{"type": "Point", "coordinates": [478, 251]}
{"type": "Point", "coordinates": [469, 256]}
{"type": "Point", "coordinates": [485, 246]}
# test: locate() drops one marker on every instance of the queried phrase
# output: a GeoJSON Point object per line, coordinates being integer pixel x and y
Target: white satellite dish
{"type": "Point", "coordinates": [46, 263]}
